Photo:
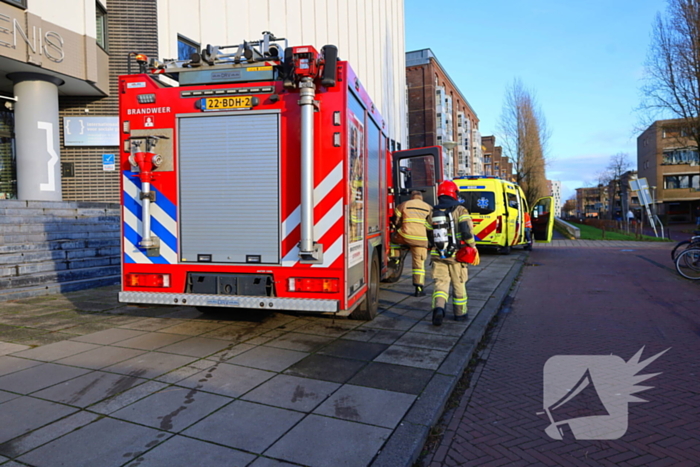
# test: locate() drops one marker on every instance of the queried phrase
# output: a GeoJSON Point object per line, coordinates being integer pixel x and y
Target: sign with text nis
{"type": "Point", "coordinates": [90, 131]}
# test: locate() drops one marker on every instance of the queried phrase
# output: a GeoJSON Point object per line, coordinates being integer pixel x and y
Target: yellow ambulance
{"type": "Point", "coordinates": [498, 208]}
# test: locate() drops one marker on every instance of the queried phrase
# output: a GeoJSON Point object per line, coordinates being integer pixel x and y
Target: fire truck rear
{"type": "Point", "coordinates": [258, 176]}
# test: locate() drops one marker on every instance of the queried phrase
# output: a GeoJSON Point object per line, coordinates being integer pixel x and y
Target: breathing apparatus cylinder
{"type": "Point", "coordinates": [441, 238]}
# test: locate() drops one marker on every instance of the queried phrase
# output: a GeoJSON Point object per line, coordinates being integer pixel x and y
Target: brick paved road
{"type": "Point", "coordinates": [585, 301]}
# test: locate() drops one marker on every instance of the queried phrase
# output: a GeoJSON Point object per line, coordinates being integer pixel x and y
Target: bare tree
{"type": "Point", "coordinates": [569, 207]}
{"type": "Point", "coordinates": [672, 82]}
{"type": "Point", "coordinates": [617, 166]}
{"type": "Point", "coordinates": [525, 135]}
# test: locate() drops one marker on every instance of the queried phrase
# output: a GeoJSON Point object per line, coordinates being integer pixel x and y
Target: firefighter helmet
{"type": "Point", "coordinates": [448, 188]}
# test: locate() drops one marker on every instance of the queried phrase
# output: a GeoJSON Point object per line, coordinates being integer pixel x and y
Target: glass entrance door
{"type": "Point", "coordinates": [8, 162]}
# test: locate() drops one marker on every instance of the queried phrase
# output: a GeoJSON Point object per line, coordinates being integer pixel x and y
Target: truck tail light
{"type": "Point", "coordinates": [148, 280]}
{"type": "Point", "coordinates": [312, 284]}
{"type": "Point", "coordinates": [499, 224]}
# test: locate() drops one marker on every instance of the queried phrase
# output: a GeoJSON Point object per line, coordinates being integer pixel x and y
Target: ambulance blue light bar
{"type": "Point", "coordinates": [475, 177]}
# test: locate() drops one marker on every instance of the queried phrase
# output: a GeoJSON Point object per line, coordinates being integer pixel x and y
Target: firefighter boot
{"type": "Point", "coordinates": [460, 312]}
{"type": "Point", "coordinates": [438, 316]}
{"type": "Point", "coordinates": [419, 291]}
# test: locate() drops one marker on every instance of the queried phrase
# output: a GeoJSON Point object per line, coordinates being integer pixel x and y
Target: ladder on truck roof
{"type": "Point", "coordinates": [269, 50]}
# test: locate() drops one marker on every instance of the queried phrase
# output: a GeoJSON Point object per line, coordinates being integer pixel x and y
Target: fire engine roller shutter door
{"type": "Point", "coordinates": [229, 188]}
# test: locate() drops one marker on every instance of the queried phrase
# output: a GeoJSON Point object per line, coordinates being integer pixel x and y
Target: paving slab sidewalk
{"type": "Point", "coordinates": [108, 384]}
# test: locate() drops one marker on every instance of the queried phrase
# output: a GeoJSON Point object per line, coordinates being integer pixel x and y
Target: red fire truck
{"type": "Point", "coordinates": [259, 177]}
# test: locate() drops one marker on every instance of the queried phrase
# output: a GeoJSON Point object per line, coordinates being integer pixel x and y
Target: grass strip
{"type": "Point", "coordinates": [592, 233]}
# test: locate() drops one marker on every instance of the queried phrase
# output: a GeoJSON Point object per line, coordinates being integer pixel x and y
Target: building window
{"type": "Point", "coordinates": [18, 3]}
{"type": "Point", "coordinates": [672, 182]}
{"type": "Point", "coordinates": [681, 156]}
{"type": "Point", "coordinates": [101, 21]}
{"type": "Point", "coordinates": [186, 47]}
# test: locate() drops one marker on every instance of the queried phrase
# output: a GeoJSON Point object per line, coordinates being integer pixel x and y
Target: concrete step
{"type": "Point", "coordinates": [58, 287]}
{"type": "Point", "coordinates": [18, 270]}
{"type": "Point", "coordinates": [69, 257]}
{"type": "Point", "coordinates": [59, 245]}
{"type": "Point", "coordinates": [55, 205]}
{"type": "Point", "coordinates": [20, 219]}
{"type": "Point", "coordinates": [50, 247]}
{"type": "Point", "coordinates": [58, 227]}
{"type": "Point", "coordinates": [55, 236]}
{"type": "Point", "coordinates": [36, 279]}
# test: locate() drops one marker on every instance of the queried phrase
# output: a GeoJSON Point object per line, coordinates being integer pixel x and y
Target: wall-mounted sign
{"type": "Point", "coordinates": [49, 43]}
{"type": "Point", "coordinates": [91, 131]}
{"type": "Point", "coordinates": [108, 162]}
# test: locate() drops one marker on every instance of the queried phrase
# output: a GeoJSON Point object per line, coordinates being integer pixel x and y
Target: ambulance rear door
{"type": "Point", "coordinates": [513, 211]}
{"type": "Point", "coordinates": [543, 219]}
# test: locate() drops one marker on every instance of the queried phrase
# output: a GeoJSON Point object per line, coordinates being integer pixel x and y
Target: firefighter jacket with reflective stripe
{"type": "Point", "coordinates": [463, 221]}
{"type": "Point", "coordinates": [411, 220]}
{"type": "Point", "coordinates": [528, 222]}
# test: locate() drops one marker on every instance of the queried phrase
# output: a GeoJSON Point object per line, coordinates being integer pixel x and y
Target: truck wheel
{"type": "Point", "coordinates": [504, 250]}
{"type": "Point", "coordinates": [396, 267]}
{"type": "Point", "coordinates": [367, 310]}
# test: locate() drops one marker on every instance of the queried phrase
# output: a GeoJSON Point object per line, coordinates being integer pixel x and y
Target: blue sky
{"type": "Point", "coordinates": [583, 60]}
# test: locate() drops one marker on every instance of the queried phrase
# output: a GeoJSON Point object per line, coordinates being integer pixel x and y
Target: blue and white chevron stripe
{"type": "Point", "coordinates": [163, 224]}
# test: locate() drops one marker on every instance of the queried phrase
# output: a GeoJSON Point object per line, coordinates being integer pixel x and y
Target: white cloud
{"type": "Point", "coordinates": [577, 171]}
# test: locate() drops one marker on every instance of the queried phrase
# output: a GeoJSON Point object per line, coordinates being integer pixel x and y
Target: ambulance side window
{"type": "Point", "coordinates": [512, 200]}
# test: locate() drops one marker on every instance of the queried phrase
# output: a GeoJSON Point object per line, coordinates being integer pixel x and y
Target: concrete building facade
{"type": "Point", "coordinates": [52, 53]}
{"type": "Point", "coordinates": [59, 137]}
{"type": "Point", "coordinates": [554, 189]}
{"type": "Point", "coordinates": [670, 162]}
{"type": "Point", "coordinates": [440, 115]}
{"type": "Point", "coordinates": [368, 33]}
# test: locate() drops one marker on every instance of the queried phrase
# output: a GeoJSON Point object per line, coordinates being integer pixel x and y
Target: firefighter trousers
{"type": "Point", "coordinates": [446, 272]}
{"type": "Point", "coordinates": [418, 257]}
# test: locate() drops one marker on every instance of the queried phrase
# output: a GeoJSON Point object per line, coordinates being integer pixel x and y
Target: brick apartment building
{"type": "Point", "coordinates": [439, 115]}
{"type": "Point", "coordinates": [611, 201]}
{"type": "Point", "coordinates": [591, 201]}
{"type": "Point", "coordinates": [495, 163]}
{"type": "Point", "coordinates": [669, 160]}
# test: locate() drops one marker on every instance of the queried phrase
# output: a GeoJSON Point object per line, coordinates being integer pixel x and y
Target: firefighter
{"type": "Point", "coordinates": [452, 229]}
{"type": "Point", "coordinates": [411, 224]}
{"type": "Point", "coordinates": [528, 231]}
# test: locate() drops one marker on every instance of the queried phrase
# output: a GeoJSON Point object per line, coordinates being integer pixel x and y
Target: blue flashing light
{"type": "Point", "coordinates": [475, 177]}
